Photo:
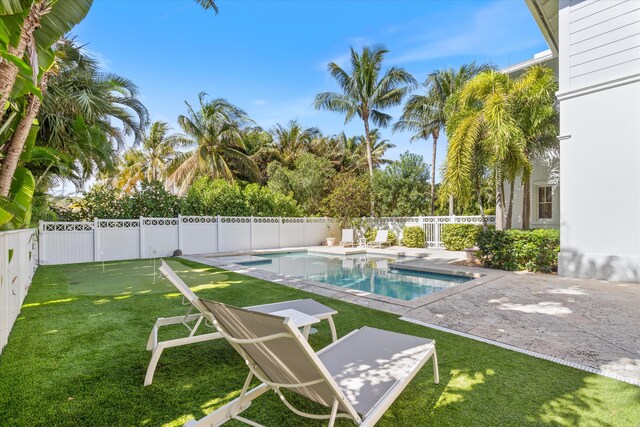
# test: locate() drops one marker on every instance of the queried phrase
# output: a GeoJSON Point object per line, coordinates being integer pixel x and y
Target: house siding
{"type": "Point", "coordinates": [599, 100]}
{"type": "Point", "coordinates": [604, 40]}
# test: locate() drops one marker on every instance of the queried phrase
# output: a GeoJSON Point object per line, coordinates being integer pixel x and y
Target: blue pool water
{"type": "Point", "coordinates": [369, 273]}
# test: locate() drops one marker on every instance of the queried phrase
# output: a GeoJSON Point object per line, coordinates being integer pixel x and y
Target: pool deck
{"type": "Point", "coordinates": [589, 324]}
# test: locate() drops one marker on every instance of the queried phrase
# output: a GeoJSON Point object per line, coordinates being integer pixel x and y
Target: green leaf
{"type": "Point", "coordinates": [24, 86]}
{"type": "Point", "coordinates": [22, 188]}
{"type": "Point", "coordinates": [29, 144]}
{"type": "Point", "coordinates": [64, 15]}
{"type": "Point", "coordinates": [22, 65]}
{"type": "Point", "coordinates": [8, 210]}
{"type": "Point", "coordinates": [11, 7]}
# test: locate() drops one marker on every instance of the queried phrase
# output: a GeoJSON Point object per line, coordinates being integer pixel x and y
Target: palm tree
{"type": "Point", "coordinates": [425, 114]}
{"type": "Point", "coordinates": [219, 151]}
{"type": "Point", "coordinates": [366, 91]}
{"type": "Point", "coordinates": [291, 141]}
{"type": "Point", "coordinates": [379, 147]}
{"type": "Point", "coordinates": [149, 162]}
{"type": "Point", "coordinates": [483, 135]}
{"type": "Point", "coordinates": [86, 114]}
{"type": "Point", "coordinates": [537, 115]}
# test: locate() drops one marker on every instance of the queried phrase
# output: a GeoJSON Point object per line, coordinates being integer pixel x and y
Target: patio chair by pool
{"type": "Point", "coordinates": [358, 377]}
{"type": "Point", "coordinates": [304, 308]}
{"type": "Point", "coordinates": [381, 238]}
{"type": "Point", "coordinates": [347, 237]}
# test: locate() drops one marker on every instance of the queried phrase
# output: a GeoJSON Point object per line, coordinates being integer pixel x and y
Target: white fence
{"type": "Point", "coordinates": [108, 239]}
{"type": "Point", "coordinates": [432, 225]}
{"type": "Point", "coordinates": [18, 262]}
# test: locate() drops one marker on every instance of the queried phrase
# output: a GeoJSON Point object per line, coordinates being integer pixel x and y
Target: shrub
{"type": "Point", "coordinates": [219, 197]}
{"type": "Point", "coordinates": [457, 237]}
{"type": "Point", "coordinates": [533, 250]}
{"type": "Point", "coordinates": [413, 237]}
{"type": "Point", "coordinates": [152, 200]}
{"type": "Point", "coordinates": [370, 235]}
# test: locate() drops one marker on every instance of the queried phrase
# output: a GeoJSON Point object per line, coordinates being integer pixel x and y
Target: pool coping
{"type": "Point", "coordinates": [394, 305]}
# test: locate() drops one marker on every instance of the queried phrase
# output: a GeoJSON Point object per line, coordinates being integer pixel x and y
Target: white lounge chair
{"type": "Point", "coordinates": [381, 238]}
{"type": "Point", "coordinates": [358, 377]}
{"type": "Point", "coordinates": [347, 237]}
{"type": "Point", "coordinates": [306, 308]}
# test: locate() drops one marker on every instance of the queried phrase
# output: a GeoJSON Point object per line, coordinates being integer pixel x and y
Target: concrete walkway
{"type": "Point", "coordinates": [594, 324]}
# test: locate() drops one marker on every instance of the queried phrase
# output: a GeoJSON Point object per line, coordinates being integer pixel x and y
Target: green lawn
{"type": "Point", "coordinates": [77, 356]}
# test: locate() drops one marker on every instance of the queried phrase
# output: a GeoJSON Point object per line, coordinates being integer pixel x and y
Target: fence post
{"type": "Point", "coordinates": [279, 232]}
{"type": "Point", "coordinates": [96, 240]}
{"type": "Point", "coordinates": [141, 237]}
{"type": "Point", "coordinates": [41, 242]}
{"type": "Point", "coordinates": [180, 233]}
{"type": "Point", "coordinates": [218, 234]}
{"type": "Point", "coordinates": [304, 231]}
{"type": "Point", "coordinates": [251, 232]}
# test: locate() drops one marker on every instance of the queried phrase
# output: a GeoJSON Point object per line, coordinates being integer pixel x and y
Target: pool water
{"type": "Point", "coordinates": [369, 273]}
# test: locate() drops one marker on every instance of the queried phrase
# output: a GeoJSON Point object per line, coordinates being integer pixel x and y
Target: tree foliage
{"type": "Point", "coordinates": [349, 197]}
{"type": "Point", "coordinates": [307, 182]}
{"type": "Point", "coordinates": [402, 188]}
{"type": "Point", "coordinates": [220, 197]}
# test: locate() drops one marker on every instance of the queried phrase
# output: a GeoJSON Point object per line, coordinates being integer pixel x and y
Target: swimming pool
{"type": "Point", "coordinates": [369, 273]}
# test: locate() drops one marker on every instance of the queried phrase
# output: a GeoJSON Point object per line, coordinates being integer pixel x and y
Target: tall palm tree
{"type": "Point", "coordinates": [215, 133]}
{"type": "Point", "coordinates": [366, 91]}
{"type": "Point", "coordinates": [537, 115]}
{"type": "Point", "coordinates": [483, 135]}
{"type": "Point", "coordinates": [425, 114]}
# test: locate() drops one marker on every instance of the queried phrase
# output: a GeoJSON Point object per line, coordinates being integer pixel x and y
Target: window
{"type": "Point", "coordinates": [545, 204]}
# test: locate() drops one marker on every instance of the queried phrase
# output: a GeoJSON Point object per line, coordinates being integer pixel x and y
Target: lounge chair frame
{"type": "Point", "coordinates": [233, 409]}
{"type": "Point", "coordinates": [191, 299]}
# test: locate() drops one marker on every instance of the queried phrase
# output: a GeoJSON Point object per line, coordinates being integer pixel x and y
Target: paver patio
{"type": "Point", "coordinates": [586, 322]}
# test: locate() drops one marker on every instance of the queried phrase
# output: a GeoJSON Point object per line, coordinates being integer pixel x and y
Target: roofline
{"type": "Point", "coordinates": [538, 59]}
{"type": "Point", "coordinates": [543, 22]}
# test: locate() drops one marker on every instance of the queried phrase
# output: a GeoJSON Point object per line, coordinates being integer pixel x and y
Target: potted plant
{"type": "Point", "coordinates": [472, 254]}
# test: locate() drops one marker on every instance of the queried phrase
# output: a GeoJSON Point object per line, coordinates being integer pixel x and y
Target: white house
{"type": "Point", "coordinates": [596, 44]}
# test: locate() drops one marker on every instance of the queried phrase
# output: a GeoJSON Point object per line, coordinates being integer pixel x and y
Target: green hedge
{"type": "Point", "coordinates": [413, 237]}
{"type": "Point", "coordinates": [533, 250]}
{"type": "Point", "coordinates": [458, 237]}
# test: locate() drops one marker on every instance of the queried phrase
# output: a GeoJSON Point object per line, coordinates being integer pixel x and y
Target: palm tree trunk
{"type": "Point", "coordinates": [509, 219]}
{"type": "Point", "coordinates": [526, 201]}
{"type": "Point", "coordinates": [8, 71]}
{"type": "Point", "coordinates": [367, 139]}
{"type": "Point", "coordinates": [479, 199]}
{"type": "Point", "coordinates": [16, 144]}
{"type": "Point", "coordinates": [434, 135]}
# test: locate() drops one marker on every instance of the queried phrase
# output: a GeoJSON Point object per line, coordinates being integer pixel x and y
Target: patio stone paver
{"type": "Point", "coordinates": [593, 323]}
{"type": "Point", "coordinates": [588, 322]}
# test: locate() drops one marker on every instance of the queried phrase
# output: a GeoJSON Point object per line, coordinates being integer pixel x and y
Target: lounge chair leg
{"type": "Point", "coordinates": [155, 357]}
{"type": "Point", "coordinates": [230, 410]}
{"type": "Point", "coordinates": [153, 338]}
{"type": "Point", "coordinates": [305, 332]}
{"type": "Point", "coordinates": [332, 326]}
{"type": "Point", "coordinates": [334, 412]}
{"type": "Point", "coordinates": [436, 374]}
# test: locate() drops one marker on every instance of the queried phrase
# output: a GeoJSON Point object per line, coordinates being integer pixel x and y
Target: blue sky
{"type": "Point", "coordinates": [270, 57]}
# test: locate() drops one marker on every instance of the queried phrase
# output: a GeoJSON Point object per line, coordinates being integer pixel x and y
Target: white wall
{"type": "Point", "coordinates": [542, 174]}
{"type": "Point", "coordinates": [600, 139]}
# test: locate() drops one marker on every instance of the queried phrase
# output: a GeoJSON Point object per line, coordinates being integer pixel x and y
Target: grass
{"type": "Point", "coordinates": [77, 356]}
